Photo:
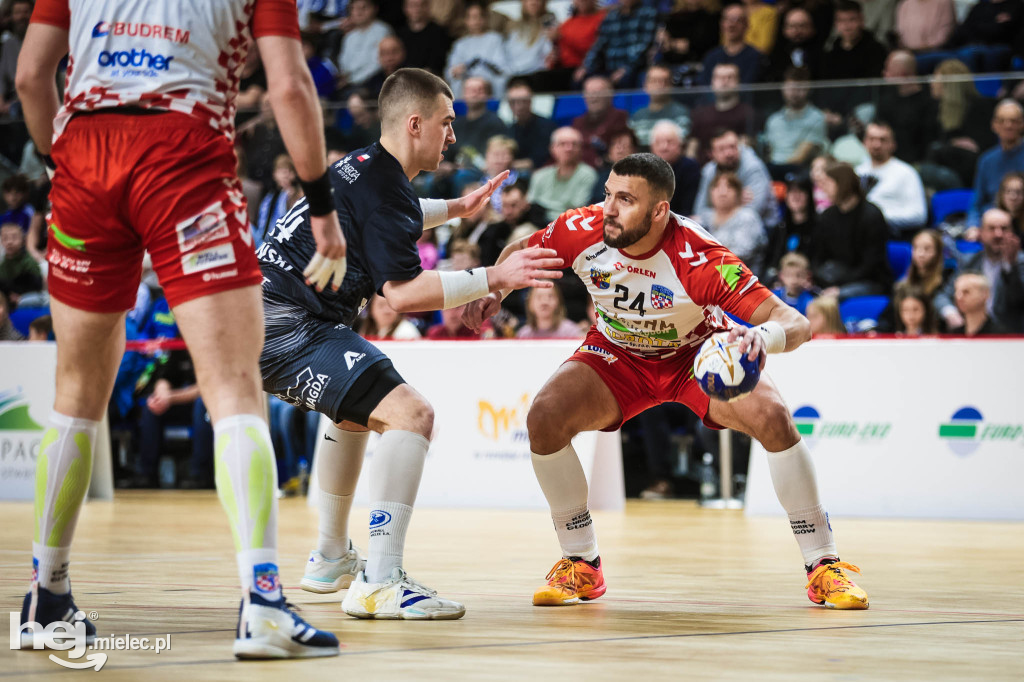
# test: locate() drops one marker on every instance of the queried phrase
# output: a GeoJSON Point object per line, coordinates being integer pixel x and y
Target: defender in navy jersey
{"type": "Point", "coordinates": [313, 359]}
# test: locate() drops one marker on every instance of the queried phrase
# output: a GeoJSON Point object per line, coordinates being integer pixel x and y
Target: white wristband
{"type": "Point", "coordinates": [435, 212]}
{"type": "Point", "coordinates": [774, 336]}
{"type": "Point", "coordinates": [464, 286]}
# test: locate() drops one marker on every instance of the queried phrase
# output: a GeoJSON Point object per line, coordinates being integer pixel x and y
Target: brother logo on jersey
{"type": "Point", "coordinates": [134, 62]}
{"type": "Point", "coordinates": [102, 29]}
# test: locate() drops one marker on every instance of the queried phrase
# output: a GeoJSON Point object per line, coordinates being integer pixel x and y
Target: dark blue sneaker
{"type": "Point", "coordinates": [270, 629]}
{"type": "Point", "coordinates": [44, 607]}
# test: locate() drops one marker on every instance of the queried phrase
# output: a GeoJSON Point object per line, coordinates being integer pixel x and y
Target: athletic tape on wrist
{"type": "Point", "coordinates": [774, 336]}
{"type": "Point", "coordinates": [319, 195]}
{"type": "Point", "coordinates": [435, 212]}
{"type": "Point", "coordinates": [464, 286]}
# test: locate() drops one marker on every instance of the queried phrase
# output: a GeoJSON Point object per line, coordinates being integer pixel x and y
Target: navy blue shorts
{"type": "Point", "coordinates": [321, 366]}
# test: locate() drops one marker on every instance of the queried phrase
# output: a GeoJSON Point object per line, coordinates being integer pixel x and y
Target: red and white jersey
{"type": "Point", "coordinates": [668, 298]}
{"type": "Point", "coordinates": [160, 54]}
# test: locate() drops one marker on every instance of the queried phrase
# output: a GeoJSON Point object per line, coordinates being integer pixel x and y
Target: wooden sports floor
{"type": "Point", "coordinates": [693, 594]}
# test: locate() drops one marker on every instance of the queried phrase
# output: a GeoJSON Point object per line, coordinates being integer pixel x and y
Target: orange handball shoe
{"type": "Point", "coordinates": [828, 585]}
{"type": "Point", "coordinates": [570, 581]}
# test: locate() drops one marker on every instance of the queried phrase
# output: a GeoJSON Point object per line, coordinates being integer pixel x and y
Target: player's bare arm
{"type": "Point", "coordinates": [300, 120]}
{"type": "Point", "coordinates": [483, 308]}
{"type": "Point", "coordinates": [776, 328]}
{"type": "Point", "coordinates": [438, 211]}
{"type": "Point", "coordinates": [433, 290]}
{"type": "Point", "coordinates": [43, 48]}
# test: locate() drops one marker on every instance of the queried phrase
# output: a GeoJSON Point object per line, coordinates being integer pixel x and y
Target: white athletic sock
{"type": "Point", "coordinates": [394, 479]}
{"type": "Point", "coordinates": [246, 476]}
{"type": "Point", "coordinates": [793, 477]}
{"type": "Point", "coordinates": [339, 459]}
{"type": "Point", "coordinates": [561, 477]}
{"type": "Point", "coordinates": [63, 471]}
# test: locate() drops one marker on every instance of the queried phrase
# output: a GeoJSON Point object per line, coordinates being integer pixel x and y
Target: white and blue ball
{"type": "Point", "coordinates": [722, 371]}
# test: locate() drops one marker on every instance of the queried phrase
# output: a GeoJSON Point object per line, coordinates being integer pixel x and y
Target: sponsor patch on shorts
{"type": "Point", "coordinates": [209, 259]}
{"type": "Point", "coordinates": [209, 225]}
{"type": "Point", "coordinates": [607, 355]}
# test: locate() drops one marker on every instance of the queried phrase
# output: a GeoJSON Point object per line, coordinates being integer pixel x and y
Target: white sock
{"type": "Point", "coordinates": [561, 477]}
{"type": "Point", "coordinates": [395, 475]}
{"type": "Point", "coordinates": [246, 476]}
{"type": "Point", "coordinates": [339, 459]}
{"type": "Point", "coordinates": [793, 477]}
{"type": "Point", "coordinates": [63, 471]}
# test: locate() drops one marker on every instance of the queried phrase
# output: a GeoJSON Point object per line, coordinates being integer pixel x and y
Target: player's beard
{"type": "Point", "coordinates": [631, 236]}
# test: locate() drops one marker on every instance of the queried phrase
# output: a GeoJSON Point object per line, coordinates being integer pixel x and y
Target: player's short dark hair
{"type": "Point", "coordinates": [849, 6]}
{"type": "Point", "coordinates": [722, 131]}
{"type": "Point", "coordinates": [519, 82]}
{"type": "Point", "coordinates": [800, 74]}
{"type": "Point", "coordinates": [408, 86]}
{"type": "Point", "coordinates": [654, 169]}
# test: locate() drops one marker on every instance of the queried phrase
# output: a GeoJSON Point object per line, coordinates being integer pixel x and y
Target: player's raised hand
{"type": "Point", "coordinates": [475, 312]}
{"type": "Point", "coordinates": [529, 267]}
{"type": "Point", "coordinates": [475, 200]}
{"type": "Point", "coordinates": [328, 263]}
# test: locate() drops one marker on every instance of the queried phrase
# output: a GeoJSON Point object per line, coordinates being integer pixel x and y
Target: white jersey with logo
{"type": "Point", "coordinates": [160, 54]}
{"type": "Point", "coordinates": [671, 297]}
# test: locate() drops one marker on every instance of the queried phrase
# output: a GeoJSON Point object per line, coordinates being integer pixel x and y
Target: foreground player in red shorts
{"type": "Point", "coordinates": [143, 157]}
{"type": "Point", "coordinates": [660, 284]}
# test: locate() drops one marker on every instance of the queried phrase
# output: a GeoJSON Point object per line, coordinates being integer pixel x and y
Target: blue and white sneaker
{"type": "Point", "coordinates": [270, 629]}
{"type": "Point", "coordinates": [330, 575]}
{"type": "Point", "coordinates": [398, 598]}
{"type": "Point", "coordinates": [44, 607]}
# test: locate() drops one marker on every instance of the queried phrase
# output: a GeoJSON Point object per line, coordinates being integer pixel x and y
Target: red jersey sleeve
{"type": "Point", "coordinates": [275, 18]}
{"type": "Point", "coordinates": [53, 12]}
{"type": "Point", "coordinates": [572, 232]}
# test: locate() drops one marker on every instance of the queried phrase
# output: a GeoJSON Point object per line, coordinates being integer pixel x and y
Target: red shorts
{"type": "Point", "coordinates": [130, 183]}
{"type": "Point", "coordinates": [642, 382]}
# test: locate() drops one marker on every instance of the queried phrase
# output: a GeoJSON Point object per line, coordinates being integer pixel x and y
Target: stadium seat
{"type": "Point", "coordinates": [859, 308]}
{"type": "Point", "coordinates": [987, 86]}
{"type": "Point", "coordinates": [966, 248]}
{"type": "Point", "coordinates": [950, 201]}
{"type": "Point", "coordinates": [899, 258]}
{"type": "Point", "coordinates": [567, 108]}
{"type": "Point", "coordinates": [21, 318]}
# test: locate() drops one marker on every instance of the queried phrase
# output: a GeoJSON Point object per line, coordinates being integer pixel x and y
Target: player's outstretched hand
{"type": "Point", "coordinates": [475, 200]}
{"type": "Point", "coordinates": [475, 312]}
{"type": "Point", "coordinates": [529, 267]}
{"type": "Point", "coordinates": [751, 343]}
{"type": "Point", "coordinates": [328, 263]}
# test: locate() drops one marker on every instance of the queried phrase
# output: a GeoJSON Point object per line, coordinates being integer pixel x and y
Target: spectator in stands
{"type": "Point", "coordinates": [601, 120]}
{"type": "Point", "coordinates": [849, 245]}
{"type": "Point", "coordinates": [924, 25]}
{"type": "Point", "coordinates": [736, 226]}
{"type": "Point", "coordinates": [854, 54]}
{"type": "Point", "coordinates": [762, 24]}
{"type": "Point", "coordinates": [358, 60]}
{"type": "Point", "coordinates": [973, 293]}
{"type": "Point", "coordinates": [892, 185]}
{"type": "Point", "coordinates": [667, 142]}
{"type": "Point", "coordinates": [850, 146]}
{"type": "Point", "coordinates": [728, 111]}
{"type": "Point", "coordinates": [565, 184]}
{"type": "Point", "coordinates": [515, 212]}
{"type": "Point", "coordinates": [1006, 157]}
{"type": "Point", "coordinates": [986, 35]}
{"type": "Point", "coordinates": [661, 106]}
{"type": "Point", "coordinates": [527, 44]}
{"type": "Point", "coordinates": [20, 13]}
{"type": "Point", "coordinates": [823, 314]}
{"type": "Point", "coordinates": [19, 272]}
{"type": "Point", "coordinates": [15, 190]}
{"type": "Point", "coordinates": [499, 157]}
{"type": "Point", "coordinates": [383, 323]}
{"type": "Point", "coordinates": [727, 154]}
{"type": "Point", "coordinates": [798, 45]}
{"type": "Point", "coordinates": [325, 74]}
{"type": "Point", "coordinates": [795, 286]}
{"type": "Point", "coordinates": [278, 202]}
{"type": "Point", "coordinates": [7, 330]}
{"type": "Point", "coordinates": [391, 56]}
{"type": "Point", "coordinates": [623, 39]}
{"type": "Point", "coordinates": [818, 166]}
{"type": "Point", "coordinates": [477, 126]}
{"type": "Point", "coordinates": [261, 141]}
{"type": "Point", "coordinates": [796, 133]}
{"type": "Point", "coordinates": [905, 105]}
{"type": "Point", "coordinates": [879, 18]}
{"type": "Point", "coordinates": [1002, 264]}
{"type": "Point", "coordinates": [41, 329]}
{"type": "Point", "coordinates": [622, 145]}
{"type": "Point", "coordinates": [545, 316]}
{"type": "Point", "coordinates": [915, 313]}
{"type": "Point", "coordinates": [451, 328]}
{"type": "Point", "coordinates": [450, 15]}
{"type": "Point", "coordinates": [928, 272]}
{"type": "Point", "coordinates": [251, 87]}
{"type": "Point", "coordinates": [365, 130]}
{"type": "Point", "coordinates": [426, 42]}
{"type": "Point", "coordinates": [691, 31]}
{"type": "Point", "coordinates": [1010, 198]}
{"type": "Point", "coordinates": [734, 49]}
{"type": "Point", "coordinates": [426, 245]}
{"type": "Point", "coordinates": [797, 228]}
{"type": "Point", "coordinates": [573, 40]}
{"type": "Point", "coordinates": [531, 132]}
{"type": "Point", "coordinates": [479, 53]}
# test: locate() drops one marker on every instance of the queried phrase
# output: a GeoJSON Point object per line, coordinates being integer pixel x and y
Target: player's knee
{"type": "Point", "coordinates": [419, 416]}
{"type": "Point", "coordinates": [776, 430]}
{"type": "Point", "coordinates": [548, 433]}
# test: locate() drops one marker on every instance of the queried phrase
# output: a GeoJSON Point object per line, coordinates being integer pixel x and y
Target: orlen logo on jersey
{"type": "Point", "coordinates": [139, 59]}
{"type": "Point", "coordinates": [126, 28]}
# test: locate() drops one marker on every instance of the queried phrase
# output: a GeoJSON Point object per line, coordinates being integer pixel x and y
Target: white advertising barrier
{"type": "Point", "coordinates": [27, 383]}
{"type": "Point", "coordinates": [480, 453]}
{"type": "Point", "coordinates": [930, 428]}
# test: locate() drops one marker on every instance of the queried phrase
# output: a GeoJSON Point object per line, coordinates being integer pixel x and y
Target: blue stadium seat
{"type": "Point", "coordinates": [855, 310]}
{"type": "Point", "coordinates": [950, 201]}
{"type": "Point", "coordinates": [988, 87]}
{"type": "Point", "coordinates": [899, 258]}
{"type": "Point", "coordinates": [22, 317]}
{"type": "Point", "coordinates": [966, 248]}
{"type": "Point", "coordinates": [568, 107]}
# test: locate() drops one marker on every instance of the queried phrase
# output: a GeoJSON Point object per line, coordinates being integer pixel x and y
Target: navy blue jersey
{"type": "Point", "coordinates": [381, 218]}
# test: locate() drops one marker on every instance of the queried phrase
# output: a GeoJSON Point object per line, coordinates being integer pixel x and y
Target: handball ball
{"type": "Point", "coordinates": [722, 372]}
